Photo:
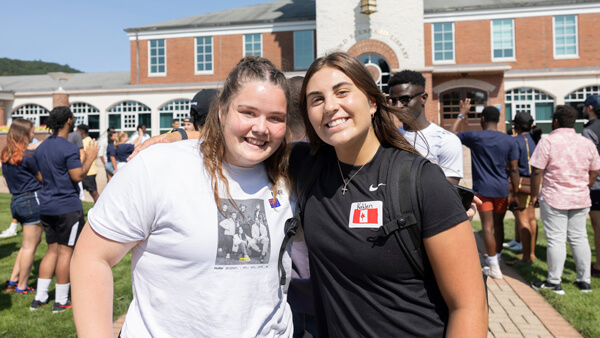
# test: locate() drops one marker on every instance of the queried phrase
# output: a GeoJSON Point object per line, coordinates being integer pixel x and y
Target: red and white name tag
{"type": "Point", "coordinates": [366, 214]}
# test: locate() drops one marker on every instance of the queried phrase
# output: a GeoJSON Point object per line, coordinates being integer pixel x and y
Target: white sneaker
{"type": "Point", "coordinates": [509, 244]}
{"type": "Point", "coordinates": [516, 247]}
{"type": "Point", "coordinates": [7, 233]}
{"type": "Point", "coordinates": [493, 270]}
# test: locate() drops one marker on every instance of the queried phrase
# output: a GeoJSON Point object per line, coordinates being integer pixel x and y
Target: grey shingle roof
{"type": "Point", "coordinates": [276, 11]}
{"type": "Point", "coordinates": [52, 81]}
{"type": "Point", "coordinates": [434, 6]}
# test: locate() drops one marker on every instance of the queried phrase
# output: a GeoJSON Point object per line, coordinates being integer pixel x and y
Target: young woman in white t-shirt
{"type": "Point", "coordinates": [183, 283]}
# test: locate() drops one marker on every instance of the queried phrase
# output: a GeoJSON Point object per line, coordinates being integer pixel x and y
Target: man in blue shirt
{"type": "Point", "coordinates": [61, 211]}
{"type": "Point", "coordinates": [492, 152]}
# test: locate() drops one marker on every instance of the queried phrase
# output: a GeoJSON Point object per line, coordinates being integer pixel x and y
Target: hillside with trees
{"type": "Point", "coordinates": [10, 67]}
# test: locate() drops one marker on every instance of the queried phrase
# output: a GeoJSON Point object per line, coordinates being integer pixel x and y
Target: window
{"type": "Point", "coordinates": [565, 36]}
{"type": "Point", "coordinates": [157, 58]}
{"type": "Point", "coordinates": [443, 42]}
{"type": "Point", "coordinates": [204, 55]}
{"type": "Point", "coordinates": [174, 110]}
{"type": "Point", "coordinates": [304, 49]}
{"type": "Point", "coordinates": [127, 115]}
{"type": "Point", "coordinates": [87, 114]}
{"type": "Point", "coordinates": [450, 102]}
{"type": "Point", "coordinates": [578, 97]}
{"type": "Point", "coordinates": [535, 102]}
{"type": "Point", "coordinates": [253, 44]}
{"type": "Point", "coordinates": [503, 40]}
{"type": "Point", "coordinates": [378, 68]}
{"type": "Point", "coordinates": [32, 112]}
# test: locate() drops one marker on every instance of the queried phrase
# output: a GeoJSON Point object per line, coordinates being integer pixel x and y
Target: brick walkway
{"type": "Point", "coordinates": [516, 310]}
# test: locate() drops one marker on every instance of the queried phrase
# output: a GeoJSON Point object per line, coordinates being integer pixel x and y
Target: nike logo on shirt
{"type": "Point", "coordinates": [372, 188]}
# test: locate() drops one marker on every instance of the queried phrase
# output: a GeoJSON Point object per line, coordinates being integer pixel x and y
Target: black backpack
{"type": "Point", "coordinates": [406, 226]}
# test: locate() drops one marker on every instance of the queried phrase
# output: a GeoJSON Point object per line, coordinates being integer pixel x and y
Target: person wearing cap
{"type": "Point", "coordinates": [591, 131]}
{"type": "Point", "coordinates": [568, 163]}
{"type": "Point", "coordinates": [525, 221]}
{"type": "Point", "coordinates": [491, 153]}
{"type": "Point", "coordinates": [199, 106]}
{"type": "Point", "coordinates": [188, 124]}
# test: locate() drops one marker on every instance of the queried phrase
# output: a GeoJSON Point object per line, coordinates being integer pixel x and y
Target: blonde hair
{"type": "Point", "coordinates": [249, 69]}
{"type": "Point", "coordinates": [120, 138]}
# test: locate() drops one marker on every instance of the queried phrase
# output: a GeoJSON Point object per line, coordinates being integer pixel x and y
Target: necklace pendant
{"type": "Point", "coordinates": [344, 190]}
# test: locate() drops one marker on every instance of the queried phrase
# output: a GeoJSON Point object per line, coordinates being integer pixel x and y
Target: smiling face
{"type": "Point", "coordinates": [254, 125]}
{"type": "Point", "coordinates": [339, 111]}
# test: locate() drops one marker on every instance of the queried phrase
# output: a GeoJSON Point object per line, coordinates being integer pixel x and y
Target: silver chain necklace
{"type": "Point", "coordinates": [345, 188]}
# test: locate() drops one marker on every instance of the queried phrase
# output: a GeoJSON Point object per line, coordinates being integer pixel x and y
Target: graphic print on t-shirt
{"type": "Point", "coordinates": [366, 214]}
{"type": "Point", "coordinates": [244, 237]}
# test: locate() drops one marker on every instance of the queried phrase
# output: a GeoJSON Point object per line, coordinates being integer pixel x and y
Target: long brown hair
{"type": "Point", "coordinates": [249, 69]}
{"type": "Point", "coordinates": [16, 141]}
{"type": "Point", "coordinates": [382, 121]}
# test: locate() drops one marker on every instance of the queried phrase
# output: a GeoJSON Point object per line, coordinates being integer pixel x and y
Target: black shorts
{"type": "Point", "coordinates": [63, 229]}
{"type": "Point", "coordinates": [89, 183]}
{"type": "Point", "coordinates": [595, 195]}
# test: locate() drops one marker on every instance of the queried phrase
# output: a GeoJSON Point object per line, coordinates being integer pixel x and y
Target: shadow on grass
{"type": "Point", "coordinates": [5, 301]}
{"type": "Point", "coordinates": [7, 249]}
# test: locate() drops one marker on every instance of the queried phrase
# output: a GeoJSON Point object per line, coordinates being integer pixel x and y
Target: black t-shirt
{"type": "Point", "coordinates": [364, 286]}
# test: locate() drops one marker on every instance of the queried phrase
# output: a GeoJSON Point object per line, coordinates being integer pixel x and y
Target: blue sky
{"type": "Point", "coordinates": [89, 35]}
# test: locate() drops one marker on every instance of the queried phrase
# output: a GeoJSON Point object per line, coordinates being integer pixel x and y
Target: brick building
{"type": "Point", "coordinates": [517, 55]}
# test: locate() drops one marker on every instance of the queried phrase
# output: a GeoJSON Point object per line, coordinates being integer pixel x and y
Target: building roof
{"type": "Point", "coordinates": [270, 12]}
{"type": "Point", "coordinates": [302, 10]}
{"type": "Point", "coordinates": [66, 81]}
{"type": "Point", "coordinates": [435, 6]}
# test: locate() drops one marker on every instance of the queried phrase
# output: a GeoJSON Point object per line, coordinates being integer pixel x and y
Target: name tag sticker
{"type": "Point", "coordinates": [366, 215]}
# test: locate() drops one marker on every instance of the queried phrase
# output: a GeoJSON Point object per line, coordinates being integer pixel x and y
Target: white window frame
{"type": "Point", "coordinates": [244, 43]}
{"type": "Point", "coordinates": [31, 112]}
{"type": "Point", "coordinates": [503, 59]}
{"type": "Point", "coordinates": [441, 62]}
{"type": "Point", "coordinates": [178, 108]}
{"type": "Point", "coordinates": [157, 74]}
{"type": "Point", "coordinates": [81, 111]}
{"type": "Point", "coordinates": [569, 56]}
{"type": "Point", "coordinates": [312, 34]}
{"type": "Point", "coordinates": [212, 55]}
{"type": "Point", "coordinates": [516, 99]}
{"type": "Point", "coordinates": [128, 111]}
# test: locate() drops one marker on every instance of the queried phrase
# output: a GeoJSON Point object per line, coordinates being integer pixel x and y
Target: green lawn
{"type": "Point", "coordinates": [581, 310]}
{"type": "Point", "coordinates": [15, 318]}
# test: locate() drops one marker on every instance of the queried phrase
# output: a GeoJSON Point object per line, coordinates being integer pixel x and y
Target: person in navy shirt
{"type": "Point", "coordinates": [491, 153]}
{"type": "Point", "coordinates": [23, 180]}
{"type": "Point", "coordinates": [61, 211]}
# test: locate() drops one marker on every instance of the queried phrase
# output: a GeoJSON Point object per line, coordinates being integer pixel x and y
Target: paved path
{"type": "Point", "coordinates": [516, 310]}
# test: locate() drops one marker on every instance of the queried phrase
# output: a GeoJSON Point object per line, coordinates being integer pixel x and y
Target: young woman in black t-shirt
{"type": "Point", "coordinates": [363, 286]}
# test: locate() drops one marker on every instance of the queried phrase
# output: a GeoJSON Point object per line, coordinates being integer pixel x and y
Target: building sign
{"type": "Point", "coordinates": [361, 34]}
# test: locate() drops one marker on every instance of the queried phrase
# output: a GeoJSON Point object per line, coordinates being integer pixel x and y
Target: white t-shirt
{"type": "Point", "coordinates": [439, 146]}
{"type": "Point", "coordinates": [183, 283]}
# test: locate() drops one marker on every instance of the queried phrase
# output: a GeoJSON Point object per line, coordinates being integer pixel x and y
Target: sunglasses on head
{"type": "Point", "coordinates": [404, 99]}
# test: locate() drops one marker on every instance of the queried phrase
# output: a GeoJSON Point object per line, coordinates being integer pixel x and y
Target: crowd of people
{"type": "Point", "coordinates": [265, 151]}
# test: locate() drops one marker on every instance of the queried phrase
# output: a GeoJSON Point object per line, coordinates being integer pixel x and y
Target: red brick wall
{"type": "Point", "coordinates": [534, 47]}
{"type": "Point", "coordinates": [227, 52]}
{"type": "Point", "coordinates": [60, 100]}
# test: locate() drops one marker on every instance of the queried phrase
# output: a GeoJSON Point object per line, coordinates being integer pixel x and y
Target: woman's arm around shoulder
{"type": "Point", "coordinates": [455, 262]}
{"type": "Point", "coordinates": [92, 282]}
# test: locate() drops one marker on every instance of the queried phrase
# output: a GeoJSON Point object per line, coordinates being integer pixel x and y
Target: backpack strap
{"type": "Point", "coordinates": [402, 192]}
{"type": "Point", "coordinates": [292, 224]}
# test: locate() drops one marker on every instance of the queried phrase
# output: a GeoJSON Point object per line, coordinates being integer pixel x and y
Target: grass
{"type": "Point", "coordinates": [15, 318]}
{"type": "Point", "coordinates": [579, 309]}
